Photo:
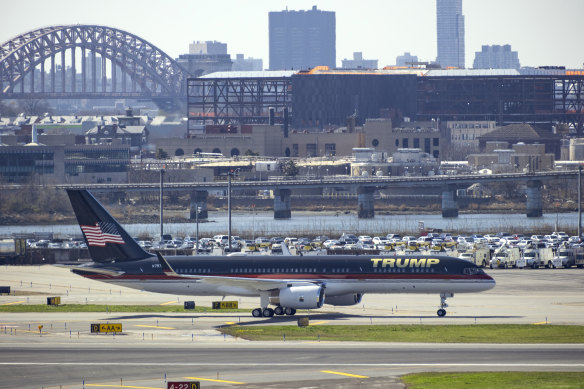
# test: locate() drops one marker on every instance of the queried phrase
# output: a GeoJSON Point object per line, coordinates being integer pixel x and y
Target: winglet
{"type": "Point", "coordinates": [166, 268]}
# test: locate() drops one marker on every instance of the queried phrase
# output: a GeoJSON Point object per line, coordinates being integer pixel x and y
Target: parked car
{"type": "Point", "coordinates": [348, 238]}
{"type": "Point", "coordinates": [560, 235]}
{"type": "Point", "coordinates": [380, 241]}
{"type": "Point", "coordinates": [329, 243]}
{"type": "Point", "coordinates": [524, 243]}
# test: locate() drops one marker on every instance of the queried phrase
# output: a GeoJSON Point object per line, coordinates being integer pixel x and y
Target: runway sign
{"type": "Point", "coordinates": [184, 385]}
{"type": "Point", "coordinates": [109, 327]}
{"type": "Point", "coordinates": [225, 304]}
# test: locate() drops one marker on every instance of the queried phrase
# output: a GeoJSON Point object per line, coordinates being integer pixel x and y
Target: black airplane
{"type": "Point", "coordinates": [286, 282]}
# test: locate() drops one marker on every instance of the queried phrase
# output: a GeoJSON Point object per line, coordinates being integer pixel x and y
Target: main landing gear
{"type": "Point", "coordinates": [269, 312]}
{"type": "Point", "coordinates": [264, 311]}
{"type": "Point", "coordinates": [443, 296]}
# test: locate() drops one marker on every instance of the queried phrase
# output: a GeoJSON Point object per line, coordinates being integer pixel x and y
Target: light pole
{"type": "Point", "coordinates": [161, 207]}
{"type": "Point", "coordinates": [197, 210]}
{"type": "Point", "coordinates": [580, 202]}
{"type": "Point", "coordinates": [229, 208]}
{"type": "Point", "coordinates": [253, 222]}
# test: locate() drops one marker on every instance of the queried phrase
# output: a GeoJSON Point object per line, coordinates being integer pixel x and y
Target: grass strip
{"type": "Point", "coordinates": [109, 308]}
{"type": "Point", "coordinates": [515, 380]}
{"type": "Point", "coordinates": [478, 333]}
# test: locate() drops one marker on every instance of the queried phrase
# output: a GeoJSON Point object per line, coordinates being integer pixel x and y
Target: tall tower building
{"type": "Point", "coordinates": [450, 33]}
{"type": "Point", "coordinates": [302, 39]}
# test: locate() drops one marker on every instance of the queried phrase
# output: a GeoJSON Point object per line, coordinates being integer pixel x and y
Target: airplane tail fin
{"type": "Point", "coordinates": [106, 240]}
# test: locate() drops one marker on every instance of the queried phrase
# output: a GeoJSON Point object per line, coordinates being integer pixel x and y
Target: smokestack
{"type": "Point", "coordinates": [272, 115]}
{"type": "Point", "coordinates": [285, 122]}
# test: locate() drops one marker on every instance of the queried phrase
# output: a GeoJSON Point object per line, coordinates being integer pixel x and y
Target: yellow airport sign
{"type": "Point", "coordinates": [184, 385]}
{"type": "Point", "coordinates": [225, 305]}
{"type": "Point", "coordinates": [105, 328]}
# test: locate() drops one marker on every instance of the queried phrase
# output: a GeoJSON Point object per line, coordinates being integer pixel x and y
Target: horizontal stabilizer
{"type": "Point", "coordinates": [83, 270]}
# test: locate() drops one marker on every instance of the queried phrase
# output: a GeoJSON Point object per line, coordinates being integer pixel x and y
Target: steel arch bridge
{"type": "Point", "coordinates": [87, 61]}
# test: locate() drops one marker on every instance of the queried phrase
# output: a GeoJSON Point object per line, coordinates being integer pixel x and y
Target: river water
{"type": "Point", "coordinates": [251, 225]}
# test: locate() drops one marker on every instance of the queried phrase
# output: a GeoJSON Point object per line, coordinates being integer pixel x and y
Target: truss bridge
{"type": "Point", "coordinates": [87, 61]}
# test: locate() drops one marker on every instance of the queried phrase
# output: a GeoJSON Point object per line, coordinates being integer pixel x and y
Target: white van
{"type": "Point", "coordinates": [222, 240]}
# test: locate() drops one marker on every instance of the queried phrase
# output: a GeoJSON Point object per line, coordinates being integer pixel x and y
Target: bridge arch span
{"type": "Point", "coordinates": [97, 61]}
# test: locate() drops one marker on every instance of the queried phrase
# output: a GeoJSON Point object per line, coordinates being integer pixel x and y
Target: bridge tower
{"type": "Point", "coordinates": [366, 202]}
{"type": "Point", "coordinates": [534, 199]}
{"type": "Point", "coordinates": [199, 200]}
{"type": "Point", "coordinates": [449, 201]}
{"type": "Point", "coordinates": [282, 208]}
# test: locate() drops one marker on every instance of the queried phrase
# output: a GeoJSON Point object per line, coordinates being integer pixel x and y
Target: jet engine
{"type": "Point", "coordinates": [302, 297]}
{"type": "Point", "coordinates": [344, 299]}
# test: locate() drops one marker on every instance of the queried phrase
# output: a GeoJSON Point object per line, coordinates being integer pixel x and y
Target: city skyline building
{"type": "Point", "coordinates": [496, 57]}
{"type": "Point", "coordinates": [240, 63]}
{"type": "Point", "coordinates": [406, 59]}
{"type": "Point", "coordinates": [450, 33]}
{"type": "Point", "coordinates": [302, 39]}
{"type": "Point", "coordinates": [206, 57]}
{"type": "Point", "coordinates": [358, 62]}
{"type": "Point", "coordinates": [208, 47]}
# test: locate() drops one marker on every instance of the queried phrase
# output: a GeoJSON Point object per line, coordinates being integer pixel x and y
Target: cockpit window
{"type": "Point", "coordinates": [472, 271]}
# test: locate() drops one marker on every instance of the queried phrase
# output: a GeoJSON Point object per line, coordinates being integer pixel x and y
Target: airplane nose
{"type": "Point", "coordinates": [490, 281]}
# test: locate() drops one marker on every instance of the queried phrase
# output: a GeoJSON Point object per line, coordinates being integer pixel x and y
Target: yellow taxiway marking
{"type": "Point", "coordinates": [212, 380]}
{"type": "Point", "coordinates": [168, 302]}
{"type": "Point", "coordinates": [345, 374]}
{"type": "Point", "coordinates": [540, 323]}
{"type": "Point", "coordinates": [318, 322]}
{"type": "Point", "coordinates": [230, 323]}
{"type": "Point", "coordinates": [163, 328]}
{"type": "Point", "coordinates": [14, 302]}
{"type": "Point", "coordinates": [121, 386]}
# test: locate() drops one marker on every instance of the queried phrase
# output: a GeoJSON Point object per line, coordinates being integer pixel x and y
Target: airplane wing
{"type": "Point", "coordinates": [241, 282]}
{"type": "Point", "coordinates": [246, 283]}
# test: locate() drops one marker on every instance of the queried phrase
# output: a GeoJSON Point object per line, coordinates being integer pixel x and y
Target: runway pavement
{"type": "Point", "coordinates": [261, 363]}
{"type": "Point", "coordinates": [186, 344]}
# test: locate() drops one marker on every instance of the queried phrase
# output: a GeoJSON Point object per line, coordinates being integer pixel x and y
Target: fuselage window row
{"type": "Point", "coordinates": [400, 270]}
{"type": "Point", "coordinates": [307, 270]}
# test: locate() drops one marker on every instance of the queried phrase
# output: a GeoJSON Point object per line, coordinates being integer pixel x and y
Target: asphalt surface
{"type": "Point", "coordinates": [159, 347]}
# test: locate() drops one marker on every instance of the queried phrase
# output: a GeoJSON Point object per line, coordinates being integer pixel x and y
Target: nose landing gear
{"type": "Point", "coordinates": [443, 296]}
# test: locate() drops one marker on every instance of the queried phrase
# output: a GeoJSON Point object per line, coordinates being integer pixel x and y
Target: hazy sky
{"type": "Point", "coordinates": [543, 32]}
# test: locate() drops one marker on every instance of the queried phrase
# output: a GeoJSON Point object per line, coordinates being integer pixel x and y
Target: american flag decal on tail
{"type": "Point", "coordinates": [102, 233]}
